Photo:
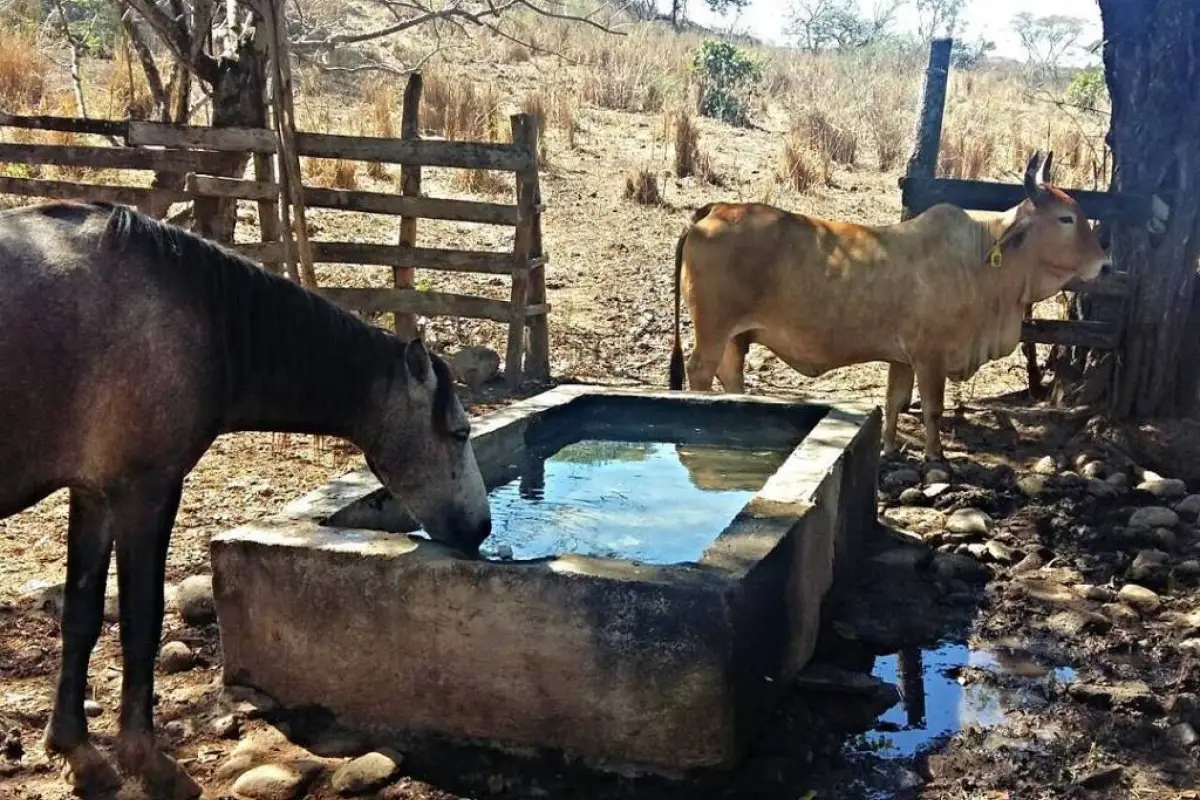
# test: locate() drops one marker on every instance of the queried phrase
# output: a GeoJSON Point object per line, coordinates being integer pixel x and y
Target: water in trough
{"type": "Point", "coordinates": [652, 502]}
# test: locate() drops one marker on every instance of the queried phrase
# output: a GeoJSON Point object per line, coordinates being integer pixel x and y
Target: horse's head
{"type": "Point", "coordinates": [422, 453]}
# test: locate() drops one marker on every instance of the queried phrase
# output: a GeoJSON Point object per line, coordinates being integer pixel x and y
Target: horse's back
{"type": "Point", "coordinates": [97, 361]}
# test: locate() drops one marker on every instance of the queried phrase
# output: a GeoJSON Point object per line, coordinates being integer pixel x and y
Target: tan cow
{"type": "Point", "coordinates": [938, 295]}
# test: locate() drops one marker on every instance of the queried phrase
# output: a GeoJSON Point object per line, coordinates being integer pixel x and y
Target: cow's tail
{"type": "Point", "coordinates": [676, 370]}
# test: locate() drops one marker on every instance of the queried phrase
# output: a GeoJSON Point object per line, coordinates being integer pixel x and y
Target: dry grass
{"type": "Point", "coordinates": [800, 166]}
{"type": "Point", "coordinates": [331, 173]}
{"type": "Point", "coordinates": [127, 93]}
{"type": "Point", "coordinates": [838, 144]}
{"type": "Point", "coordinates": [482, 182]}
{"type": "Point", "coordinates": [642, 187]}
{"type": "Point", "coordinates": [23, 71]}
{"type": "Point", "coordinates": [458, 109]}
{"type": "Point", "coordinates": [687, 145]}
{"type": "Point", "coordinates": [380, 98]}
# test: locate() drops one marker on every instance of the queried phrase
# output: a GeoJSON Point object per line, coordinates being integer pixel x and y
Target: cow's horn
{"type": "Point", "coordinates": [1043, 175]}
{"type": "Point", "coordinates": [1034, 172]}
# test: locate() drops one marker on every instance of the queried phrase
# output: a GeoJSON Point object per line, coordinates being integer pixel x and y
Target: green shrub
{"type": "Point", "coordinates": [728, 78]}
{"type": "Point", "coordinates": [1087, 88]}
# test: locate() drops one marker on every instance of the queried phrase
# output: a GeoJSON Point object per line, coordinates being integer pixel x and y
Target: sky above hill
{"type": "Point", "coordinates": [765, 19]}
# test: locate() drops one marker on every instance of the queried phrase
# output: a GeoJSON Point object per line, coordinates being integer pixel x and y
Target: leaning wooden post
{"type": "Point", "coordinates": [524, 133]}
{"type": "Point", "coordinates": [537, 358]}
{"type": "Point", "coordinates": [410, 186]}
{"type": "Point", "coordinates": [922, 164]}
{"type": "Point", "coordinates": [268, 213]}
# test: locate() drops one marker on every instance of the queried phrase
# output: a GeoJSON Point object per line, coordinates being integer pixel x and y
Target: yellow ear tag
{"type": "Point", "coordinates": [995, 256]}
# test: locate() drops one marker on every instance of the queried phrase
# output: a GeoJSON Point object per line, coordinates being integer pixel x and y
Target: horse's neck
{"type": "Point", "coordinates": [303, 371]}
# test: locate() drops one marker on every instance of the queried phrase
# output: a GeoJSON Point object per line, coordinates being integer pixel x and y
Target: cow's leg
{"type": "Point", "coordinates": [731, 372]}
{"type": "Point", "coordinates": [89, 550]}
{"type": "Point", "coordinates": [931, 380]}
{"type": "Point", "coordinates": [145, 514]}
{"type": "Point", "coordinates": [706, 357]}
{"type": "Point", "coordinates": [899, 397]}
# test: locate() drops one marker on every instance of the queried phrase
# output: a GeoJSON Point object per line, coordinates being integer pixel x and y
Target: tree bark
{"type": "Point", "coordinates": [238, 102]}
{"type": "Point", "coordinates": [1152, 67]}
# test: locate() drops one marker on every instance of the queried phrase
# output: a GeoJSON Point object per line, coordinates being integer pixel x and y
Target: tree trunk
{"type": "Point", "coordinates": [238, 102]}
{"type": "Point", "coordinates": [1152, 67]}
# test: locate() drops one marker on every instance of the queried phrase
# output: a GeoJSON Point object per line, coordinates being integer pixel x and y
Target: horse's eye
{"type": "Point", "coordinates": [1067, 220]}
{"type": "Point", "coordinates": [461, 434]}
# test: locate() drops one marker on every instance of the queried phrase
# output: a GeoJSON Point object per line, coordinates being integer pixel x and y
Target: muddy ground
{"type": "Point", "coordinates": [1024, 549]}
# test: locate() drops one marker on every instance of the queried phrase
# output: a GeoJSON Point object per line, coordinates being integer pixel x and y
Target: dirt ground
{"type": "Point", "coordinates": [1120, 729]}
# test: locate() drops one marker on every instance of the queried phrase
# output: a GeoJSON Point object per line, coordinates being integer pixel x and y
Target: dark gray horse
{"type": "Point", "coordinates": [126, 347]}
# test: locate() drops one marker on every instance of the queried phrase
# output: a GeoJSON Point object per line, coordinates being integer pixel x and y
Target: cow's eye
{"type": "Point", "coordinates": [1067, 220]}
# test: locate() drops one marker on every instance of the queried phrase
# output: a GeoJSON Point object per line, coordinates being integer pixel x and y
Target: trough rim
{"type": "Point", "coordinates": [763, 522]}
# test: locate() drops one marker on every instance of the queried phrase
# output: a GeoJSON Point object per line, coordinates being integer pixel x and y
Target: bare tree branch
{"type": "Point", "coordinates": [175, 36]}
{"type": "Point", "coordinates": [141, 48]}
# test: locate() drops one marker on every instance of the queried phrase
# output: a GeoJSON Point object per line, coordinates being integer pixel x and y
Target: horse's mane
{"type": "Point", "coordinates": [269, 323]}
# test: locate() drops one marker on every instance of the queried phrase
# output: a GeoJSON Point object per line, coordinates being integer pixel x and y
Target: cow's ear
{"type": "Point", "coordinates": [1014, 236]}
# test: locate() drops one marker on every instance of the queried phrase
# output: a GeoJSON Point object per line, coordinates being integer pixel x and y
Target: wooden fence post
{"type": "Point", "coordinates": [524, 133]}
{"type": "Point", "coordinates": [537, 357]}
{"type": "Point", "coordinates": [268, 211]}
{"type": "Point", "coordinates": [410, 186]}
{"type": "Point", "coordinates": [928, 137]}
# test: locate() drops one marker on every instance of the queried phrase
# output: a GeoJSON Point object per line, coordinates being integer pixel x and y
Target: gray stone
{"type": "Point", "coordinates": [1000, 552]}
{"type": "Point", "coordinates": [1182, 735]}
{"type": "Point", "coordinates": [978, 551]}
{"type": "Point", "coordinates": [900, 479]}
{"type": "Point", "coordinates": [936, 475]}
{"type": "Point", "coordinates": [1189, 506]}
{"type": "Point", "coordinates": [1072, 623]}
{"type": "Point", "coordinates": [176, 657]}
{"type": "Point", "coordinates": [1120, 614]}
{"type": "Point", "coordinates": [1101, 489]}
{"type": "Point", "coordinates": [969, 521]}
{"type": "Point", "coordinates": [194, 600]}
{"type": "Point", "coordinates": [226, 727]}
{"type": "Point", "coordinates": [1046, 465]}
{"type": "Point", "coordinates": [1153, 517]}
{"type": "Point", "coordinates": [1124, 694]}
{"type": "Point", "coordinates": [934, 490]}
{"type": "Point", "coordinates": [365, 774]}
{"type": "Point", "coordinates": [912, 496]}
{"type": "Point", "coordinates": [1099, 594]}
{"type": "Point", "coordinates": [92, 709]}
{"type": "Point", "coordinates": [1100, 777]}
{"type": "Point", "coordinates": [1164, 537]}
{"type": "Point", "coordinates": [1139, 598]}
{"type": "Point", "coordinates": [1093, 469]}
{"type": "Point", "coordinates": [474, 366]}
{"type": "Point", "coordinates": [1164, 488]}
{"type": "Point", "coordinates": [1188, 569]}
{"type": "Point", "coordinates": [1032, 485]}
{"type": "Point", "coordinates": [1118, 480]}
{"type": "Point", "coordinates": [269, 782]}
{"type": "Point", "coordinates": [1149, 568]}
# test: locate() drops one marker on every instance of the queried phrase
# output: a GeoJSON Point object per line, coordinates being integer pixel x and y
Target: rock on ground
{"type": "Point", "coordinates": [176, 657]}
{"type": "Point", "coordinates": [475, 366]}
{"type": "Point", "coordinates": [969, 521]}
{"type": "Point", "coordinates": [1139, 597]}
{"type": "Point", "coordinates": [269, 782]}
{"type": "Point", "coordinates": [1153, 517]}
{"type": "Point", "coordinates": [365, 774]}
{"type": "Point", "coordinates": [194, 600]}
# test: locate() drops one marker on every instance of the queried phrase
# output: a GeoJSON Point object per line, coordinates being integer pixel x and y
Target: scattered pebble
{"type": "Point", "coordinates": [1139, 597]}
{"type": "Point", "coordinates": [1118, 480]}
{"type": "Point", "coordinates": [1000, 552]}
{"type": "Point", "coordinates": [912, 496]}
{"type": "Point", "coordinates": [969, 521]}
{"type": "Point", "coordinates": [176, 657]}
{"type": "Point", "coordinates": [1164, 488]}
{"type": "Point", "coordinates": [226, 727]}
{"type": "Point", "coordinates": [365, 773]}
{"type": "Point", "coordinates": [1100, 594]}
{"type": "Point", "coordinates": [900, 479]}
{"type": "Point", "coordinates": [92, 709]}
{"type": "Point", "coordinates": [194, 600]}
{"type": "Point", "coordinates": [1189, 506]}
{"type": "Point", "coordinates": [1046, 465]}
{"type": "Point", "coordinates": [269, 782]}
{"type": "Point", "coordinates": [1182, 735]}
{"type": "Point", "coordinates": [1029, 563]}
{"type": "Point", "coordinates": [937, 475]}
{"type": "Point", "coordinates": [1153, 517]}
{"type": "Point", "coordinates": [1093, 469]}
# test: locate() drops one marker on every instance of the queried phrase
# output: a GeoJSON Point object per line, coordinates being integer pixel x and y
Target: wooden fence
{"type": "Point", "coordinates": [920, 189]}
{"type": "Point", "coordinates": [202, 154]}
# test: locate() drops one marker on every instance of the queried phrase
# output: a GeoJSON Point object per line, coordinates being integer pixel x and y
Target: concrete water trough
{"type": "Point", "coordinates": [641, 617]}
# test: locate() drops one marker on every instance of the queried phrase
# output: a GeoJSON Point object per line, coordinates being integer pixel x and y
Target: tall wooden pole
{"type": "Point", "coordinates": [410, 186]}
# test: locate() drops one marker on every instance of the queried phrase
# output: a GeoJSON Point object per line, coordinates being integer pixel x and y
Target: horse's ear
{"type": "Point", "coordinates": [416, 360]}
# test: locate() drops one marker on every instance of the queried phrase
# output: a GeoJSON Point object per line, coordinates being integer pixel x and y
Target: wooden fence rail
{"type": "Point", "coordinates": [204, 157]}
{"type": "Point", "coordinates": [920, 189]}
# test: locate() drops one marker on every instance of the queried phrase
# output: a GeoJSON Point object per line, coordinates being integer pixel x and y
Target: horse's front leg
{"type": "Point", "coordinates": [89, 550]}
{"type": "Point", "coordinates": [144, 514]}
